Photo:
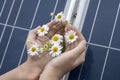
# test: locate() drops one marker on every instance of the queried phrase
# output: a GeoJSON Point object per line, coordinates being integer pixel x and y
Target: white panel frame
{"type": "Point", "coordinates": [75, 12]}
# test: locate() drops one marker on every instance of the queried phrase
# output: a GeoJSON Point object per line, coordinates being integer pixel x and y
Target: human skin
{"type": "Point", "coordinates": [71, 58]}
{"type": "Point", "coordinates": [34, 66]}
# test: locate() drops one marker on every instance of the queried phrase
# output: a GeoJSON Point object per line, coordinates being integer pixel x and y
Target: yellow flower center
{"type": "Point", "coordinates": [33, 49]}
{"type": "Point", "coordinates": [42, 29]}
{"type": "Point", "coordinates": [55, 38]}
{"type": "Point", "coordinates": [55, 49]}
{"type": "Point", "coordinates": [59, 16]}
{"type": "Point", "coordinates": [71, 36]}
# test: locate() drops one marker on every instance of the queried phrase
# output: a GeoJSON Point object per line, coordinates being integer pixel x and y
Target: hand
{"type": "Point", "coordinates": [32, 68]}
{"type": "Point", "coordinates": [38, 63]}
{"type": "Point", "coordinates": [71, 58]}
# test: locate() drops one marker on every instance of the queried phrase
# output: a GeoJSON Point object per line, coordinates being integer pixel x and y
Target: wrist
{"type": "Point", "coordinates": [50, 73]}
{"type": "Point", "coordinates": [34, 66]}
{"type": "Point", "coordinates": [28, 71]}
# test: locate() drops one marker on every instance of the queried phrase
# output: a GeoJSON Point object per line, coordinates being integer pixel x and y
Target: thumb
{"type": "Point", "coordinates": [81, 47]}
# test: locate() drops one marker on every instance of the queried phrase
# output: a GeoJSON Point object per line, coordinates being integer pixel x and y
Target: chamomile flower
{"type": "Point", "coordinates": [43, 30]}
{"type": "Point", "coordinates": [55, 50]}
{"type": "Point", "coordinates": [60, 17]}
{"type": "Point", "coordinates": [52, 14]}
{"type": "Point", "coordinates": [70, 36]}
{"type": "Point", "coordinates": [34, 50]}
{"type": "Point", "coordinates": [57, 38]}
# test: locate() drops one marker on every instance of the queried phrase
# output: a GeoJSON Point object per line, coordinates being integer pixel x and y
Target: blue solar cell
{"type": "Point", "coordinates": [1, 4]}
{"type": "Point", "coordinates": [43, 14]}
{"type": "Point", "coordinates": [94, 62]}
{"type": "Point", "coordinates": [26, 14]}
{"type": "Point", "coordinates": [60, 6]}
{"type": "Point", "coordinates": [4, 42]}
{"type": "Point", "coordinates": [14, 12]}
{"type": "Point", "coordinates": [1, 29]}
{"type": "Point", "coordinates": [89, 18]}
{"type": "Point", "coordinates": [75, 73]}
{"type": "Point", "coordinates": [112, 67]}
{"type": "Point", "coordinates": [6, 11]}
{"type": "Point", "coordinates": [14, 50]}
{"type": "Point", "coordinates": [116, 36]}
{"type": "Point", "coordinates": [104, 22]}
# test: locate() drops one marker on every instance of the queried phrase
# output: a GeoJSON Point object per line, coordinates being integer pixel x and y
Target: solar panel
{"type": "Point", "coordinates": [17, 17]}
{"type": "Point", "coordinates": [101, 30]}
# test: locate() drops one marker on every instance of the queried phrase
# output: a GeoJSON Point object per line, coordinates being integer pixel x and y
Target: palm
{"type": "Point", "coordinates": [73, 55]}
{"type": "Point", "coordinates": [33, 37]}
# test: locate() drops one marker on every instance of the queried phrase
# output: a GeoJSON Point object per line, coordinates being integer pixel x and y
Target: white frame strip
{"type": "Point", "coordinates": [75, 12]}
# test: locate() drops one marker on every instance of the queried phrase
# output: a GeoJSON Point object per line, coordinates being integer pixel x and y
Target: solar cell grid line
{"type": "Point", "coordinates": [93, 24]}
{"type": "Point", "coordinates": [7, 21]}
{"type": "Point", "coordinates": [97, 45]}
{"type": "Point", "coordinates": [113, 30]}
{"type": "Point", "coordinates": [2, 8]}
{"type": "Point", "coordinates": [30, 28]}
{"type": "Point", "coordinates": [102, 46]}
{"type": "Point", "coordinates": [10, 36]}
{"type": "Point", "coordinates": [18, 12]}
{"type": "Point", "coordinates": [17, 27]}
{"type": "Point", "coordinates": [114, 49]}
{"type": "Point", "coordinates": [55, 9]}
{"type": "Point", "coordinates": [4, 30]}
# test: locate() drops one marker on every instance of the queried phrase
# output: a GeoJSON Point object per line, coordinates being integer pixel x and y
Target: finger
{"type": "Point", "coordinates": [80, 59]}
{"type": "Point", "coordinates": [55, 30]}
{"type": "Point", "coordinates": [55, 23]}
{"type": "Point", "coordinates": [68, 28]}
{"type": "Point", "coordinates": [67, 47]}
{"type": "Point", "coordinates": [30, 39]}
{"type": "Point", "coordinates": [74, 45]}
{"type": "Point", "coordinates": [74, 53]}
{"type": "Point", "coordinates": [61, 32]}
{"type": "Point", "coordinates": [35, 30]}
{"type": "Point", "coordinates": [43, 38]}
{"type": "Point", "coordinates": [50, 24]}
{"type": "Point", "coordinates": [31, 35]}
{"type": "Point", "coordinates": [79, 49]}
{"type": "Point", "coordinates": [71, 27]}
{"type": "Point", "coordinates": [71, 55]}
{"type": "Point", "coordinates": [80, 36]}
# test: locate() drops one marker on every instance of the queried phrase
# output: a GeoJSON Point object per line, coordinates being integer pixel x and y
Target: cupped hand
{"type": "Point", "coordinates": [33, 37]}
{"type": "Point", "coordinates": [73, 56]}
